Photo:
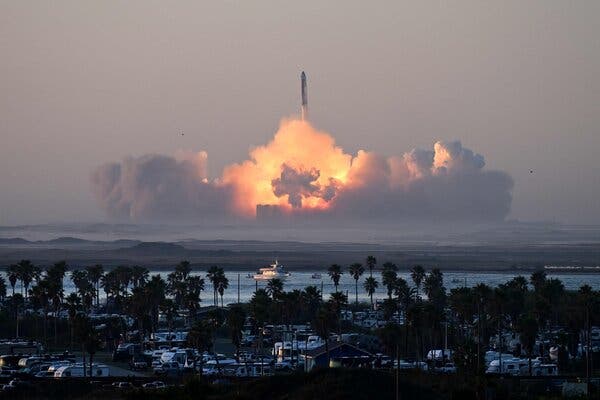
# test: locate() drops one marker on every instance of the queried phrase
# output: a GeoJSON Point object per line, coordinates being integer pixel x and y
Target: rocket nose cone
{"type": "Point", "coordinates": [303, 75]}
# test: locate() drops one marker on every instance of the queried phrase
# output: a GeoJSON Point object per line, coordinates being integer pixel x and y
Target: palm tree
{"type": "Point", "coordinates": [275, 288]}
{"type": "Point", "coordinates": [110, 284]}
{"type": "Point", "coordinates": [155, 290]}
{"type": "Point", "coordinates": [95, 274]}
{"type": "Point", "coordinates": [194, 285]}
{"type": "Point", "coordinates": [40, 293]}
{"type": "Point", "coordinates": [417, 274]}
{"type": "Point", "coordinates": [528, 330]}
{"type": "Point", "coordinates": [222, 284]}
{"type": "Point", "coordinates": [404, 293]}
{"type": "Point", "coordinates": [124, 277]}
{"type": "Point", "coordinates": [371, 262]}
{"type": "Point", "coordinates": [389, 276]}
{"type": "Point", "coordinates": [236, 317]}
{"type": "Point", "coordinates": [183, 269]}
{"type": "Point", "coordinates": [139, 306]}
{"type": "Point", "coordinates": [338, 300]}
{"type": "Point", "coordinates": [356, 270]}
{"type": "Point", "coordinates": [213, 274]}
{"type": "Point", "coordinates": [200, 337]}
{"type": "Point", "coordinates": [13, 276]}
{"type": "Point", "coordinates": [27, 272]}
{"type": "Point", "coordinates": [335, 273]}
{"type": "Point", "coordinates": [537, 279]}
{"type": "Point", "coordinates": [139, 275]}
{"type": "Point", "coordinates": [169, 310]}
{"type": "Point", "coordinates": [586, 298]}
{"type": "Point", "coordinates": [84, 286]}
{"type": "Point", "coordinates": [73, 303]}
{"type": "Point", "coordinates": [311, 299]}
{"type": "Point", "coordinates": [2, 288]}
{"type": "Point", "coordinates": [55, 276]}
{"type": "Point", "coordinates": [323, 324]}
{"type": "Point", "coordinates": [370, 286]}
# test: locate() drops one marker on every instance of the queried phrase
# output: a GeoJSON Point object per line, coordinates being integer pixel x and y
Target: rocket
{"type": "Point", "coordinates": [304, 91]}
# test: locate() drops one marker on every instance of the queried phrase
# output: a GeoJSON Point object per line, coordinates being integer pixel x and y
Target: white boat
{"type": "Point", "coordinates": [316, 275]}
{"type": "Point", "coordinates": [273, 271]}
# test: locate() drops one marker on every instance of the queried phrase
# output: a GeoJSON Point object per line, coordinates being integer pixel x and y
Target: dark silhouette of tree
{"type": "Point", "coordinates": [323, 324]}
{"type": "Point", "coordinates": [335, 273]}
{"type": "Point", "coordinates": [356, 270]}
{"type": "Point", "coordinates": [311, 299]}
{"type": "Point", "coordinates": [371, 286]}
{"type": "Point", "coordinates": [139, 306]}
{"type": "Point", "coordinates": [200, 337]}
{"type": "Point", "coordinates": [222, 284]}
{"type": "Point", "coordinates": [404, 294]}
{"type": "Point", "coordinates": [73, 305]}
{"type": "Point", "coordinates": [110, 284]}
{"type": "Point", "coordinates": [13, 276]}
{"type": "Point", "coordinates": [528, 330]}
{"type": "Point", "coordinates": [236, 317]}
{"type": "Point", "coordinates": [95, 273]}
{"type": "Point", "coordinates": [155, 290]}
{"type": "Point", "coordinates": [54, 277]}
{"type": "Point", "coordinates": [389, 275]}
{"type": "Point", "coordinates": [195, 286]}
{"type": "Point", "coordinates": [139, 275]}
{"type": "Point", "coordinates": [27, 273]}
{"type": "Point", "coordinates": [2, 288]}
{"type": "Point", "coordinates": [177, 283]}
{"type": "Point", "coordinates": [275, 288]}
{"type": "Point", "coordinates": [214, 274]}
{"type": "Point", "coordinates": [337, 301]}
{"type": "Point", "coordinates": [371, 262]}
{"type": "Point", "coordinates": [391, 338]}
{"type": "Point", "coordinates": [17, 303]}
{"type": "Point", "coordinates": [415, 320]}
{"type": "Point", "coordinates": [84, 286]}
{"type": "Point", "coordinates": [417, 274]}
{"type": "Point", "coordinates": [538, 279]}
{"type": "Point", "coordinates": [169, 310]}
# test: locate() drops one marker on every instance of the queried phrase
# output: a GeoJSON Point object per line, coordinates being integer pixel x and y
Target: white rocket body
{"type": "Point", "coordinates": [304, 90]}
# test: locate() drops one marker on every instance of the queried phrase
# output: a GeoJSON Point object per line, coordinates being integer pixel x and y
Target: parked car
{"type": "Point", "coordinates": [138, 364]}
{"type": "Point", "coordinates": [448, 368]}
{"type": "Point", "coordinates": [154, 385]}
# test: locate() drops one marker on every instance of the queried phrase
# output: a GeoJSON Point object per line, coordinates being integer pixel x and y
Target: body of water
{"type": "Point", "coordinates": [300, 280]}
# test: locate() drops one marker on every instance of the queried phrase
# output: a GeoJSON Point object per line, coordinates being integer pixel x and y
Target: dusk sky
{"type": "Point", "coordinates": [83, 83]}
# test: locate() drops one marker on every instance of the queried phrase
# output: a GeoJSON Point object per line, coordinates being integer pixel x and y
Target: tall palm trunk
{"type": "Point", "coordinates": [83, 358]}
{"type": "Point", "coordinates": [356, 280]}
{"type": "Point", "coordinates": [91, 361]}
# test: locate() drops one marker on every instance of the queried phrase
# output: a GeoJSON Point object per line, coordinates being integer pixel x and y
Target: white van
{"type": "Point", "coordinates": [76, 370]}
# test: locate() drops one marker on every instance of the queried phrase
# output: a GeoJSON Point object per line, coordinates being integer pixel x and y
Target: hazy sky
{"type": "Point", "coordinates": [86, 82]}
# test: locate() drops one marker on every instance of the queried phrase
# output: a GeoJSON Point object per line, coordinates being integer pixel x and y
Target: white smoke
{"type": "Point", "coordinates": [446, 183]}
{"type": "Point", "coordinates": [157, 186]}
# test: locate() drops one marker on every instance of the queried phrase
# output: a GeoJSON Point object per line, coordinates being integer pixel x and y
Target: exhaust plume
{"type": "Point", "coordinates": [302, 171]}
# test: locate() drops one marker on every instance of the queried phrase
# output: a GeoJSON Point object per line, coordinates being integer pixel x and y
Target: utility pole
{"type": "Point", "coordinates": [238, 289]}
{"type": "Point", "coordinates": [397, 373]}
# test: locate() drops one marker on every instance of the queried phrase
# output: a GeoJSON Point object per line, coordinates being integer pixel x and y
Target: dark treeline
{"type": "Point", "coordinates": [422, 314]}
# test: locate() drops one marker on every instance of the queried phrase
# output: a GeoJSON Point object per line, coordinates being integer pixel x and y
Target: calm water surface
{"type": "Point", "coordinates": [299, 280]}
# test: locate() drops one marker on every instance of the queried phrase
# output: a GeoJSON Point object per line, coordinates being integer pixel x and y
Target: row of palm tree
{"type": "Point", "coordinates": [389, 277]}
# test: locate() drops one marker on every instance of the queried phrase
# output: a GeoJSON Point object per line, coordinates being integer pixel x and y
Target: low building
{"type": "Point", "coordinates": [340, 355]}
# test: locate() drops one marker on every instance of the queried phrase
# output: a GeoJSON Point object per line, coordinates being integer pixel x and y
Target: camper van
{"type": "Point", "coordinates": [247, 370]}
{"type": "Point", "coordinates": [76, 370]}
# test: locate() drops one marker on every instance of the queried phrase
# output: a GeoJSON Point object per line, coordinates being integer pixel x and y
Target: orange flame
{"type": "Point", "coordinates": [298, 145]}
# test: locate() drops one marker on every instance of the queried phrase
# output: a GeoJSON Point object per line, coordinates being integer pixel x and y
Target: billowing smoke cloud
{"type": "Point", "coordinates": [159, 187]}
{"type": "Point", "coordinates": [298, 184]}
{"type": "Point", "coordinates": [301, 171]}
